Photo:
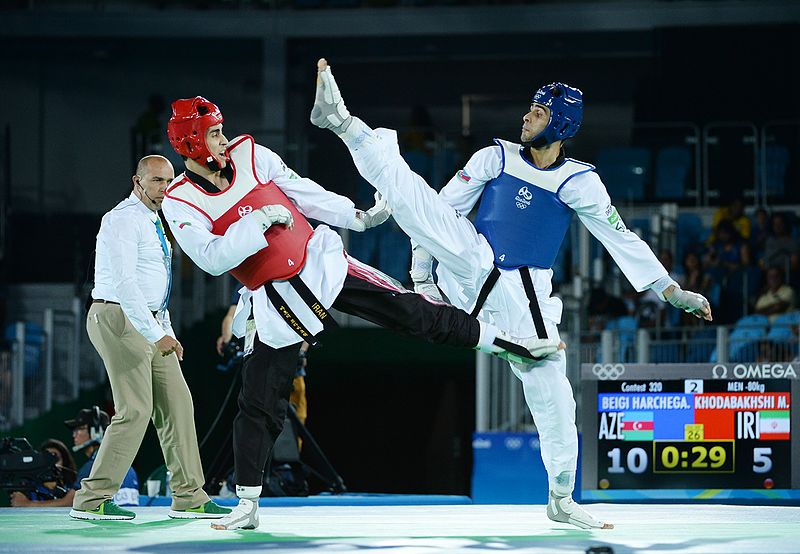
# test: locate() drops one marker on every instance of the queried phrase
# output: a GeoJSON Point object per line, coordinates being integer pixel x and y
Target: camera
{"type": "Point", "coordinates": [24, 469]}
{"type": "Point", "coordinates": [232, 354]}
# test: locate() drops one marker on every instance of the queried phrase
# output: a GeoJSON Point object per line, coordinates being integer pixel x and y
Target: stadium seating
{"type": "Point", "coordinates": [700, 348]}
{"type": "Point", "coordinates": [625, 172]}
{"type": "Point", "coordinates": [744, 339]}
{"type": "Point", "coordinates": [777, 162]}
{"type": "Point", "coordinates": [690, 232]}
{"type": "Point", "coordinates": [673, 164]}
{"type": "Point", "coordinates": [783, 333]}
{"type": "Point", "coordinates": [626, 327]}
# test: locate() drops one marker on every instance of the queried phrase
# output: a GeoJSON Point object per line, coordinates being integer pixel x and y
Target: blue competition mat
{"type": "Point", "coordinates": [349, 499]}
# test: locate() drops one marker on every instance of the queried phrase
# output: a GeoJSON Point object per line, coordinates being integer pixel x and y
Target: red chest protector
{"type": "Point", "coordinates": [286, 253]}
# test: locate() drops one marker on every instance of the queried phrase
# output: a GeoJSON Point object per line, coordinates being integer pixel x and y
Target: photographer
{"type": "Point", "coordinates": [51, 493]}
{"type": "Point", "coordinates": [88, 428]}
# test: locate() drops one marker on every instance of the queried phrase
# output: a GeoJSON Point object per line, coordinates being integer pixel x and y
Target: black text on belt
{"type": "Point", "coordinates": [291, 319]}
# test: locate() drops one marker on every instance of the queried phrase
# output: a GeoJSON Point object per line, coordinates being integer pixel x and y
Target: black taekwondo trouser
{"type": "Point", "coordinates": [268, 372]}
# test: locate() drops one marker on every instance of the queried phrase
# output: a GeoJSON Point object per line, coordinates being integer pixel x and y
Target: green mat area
{"type": "Point", "coordinates": [425, 529]}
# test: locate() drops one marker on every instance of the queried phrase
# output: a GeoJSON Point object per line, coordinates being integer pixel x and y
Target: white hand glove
{"type": "Point", "coordinates": [273, 214]}
{"type": "Point", "coordinates": [421, 274]}
{"type": "Point", "coordinates": [429, 289]}
{"type": "Point", "coordinates": [329, 111]}
{"type": "Point", "coordinates": [691, 302]}
{"type": "Point", "coordinates": [373, 217]}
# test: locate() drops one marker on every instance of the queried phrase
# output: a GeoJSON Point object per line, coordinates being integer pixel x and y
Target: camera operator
{"type": "Point", "coordinates": [88, 428]}
{"type": "Point", "coordinates": [47, 493]}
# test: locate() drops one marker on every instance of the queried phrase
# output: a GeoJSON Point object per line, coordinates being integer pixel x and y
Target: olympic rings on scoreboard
{"type": "Point", "coordinates": [606, 372]}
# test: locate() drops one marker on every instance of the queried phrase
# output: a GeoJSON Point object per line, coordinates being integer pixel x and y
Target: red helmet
{"type": "Point", "coordinates": [191, 118]}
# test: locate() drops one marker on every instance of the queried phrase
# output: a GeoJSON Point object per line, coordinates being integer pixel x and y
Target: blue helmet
{"type": "Point", "coordinates": [566, 112]}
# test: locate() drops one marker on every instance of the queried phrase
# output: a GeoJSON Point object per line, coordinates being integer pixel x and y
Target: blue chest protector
{"type": "Point", "coordinates": [521, 214]}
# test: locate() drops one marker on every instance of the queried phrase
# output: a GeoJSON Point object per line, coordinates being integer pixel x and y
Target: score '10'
{"type": "Point", "coordinates": [636, 460]}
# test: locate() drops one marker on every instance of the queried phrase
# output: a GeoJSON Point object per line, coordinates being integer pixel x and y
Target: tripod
{"type": "Point", "coordinates": [285, 451]}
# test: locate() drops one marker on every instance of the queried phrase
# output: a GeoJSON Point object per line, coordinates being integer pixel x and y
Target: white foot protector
{"type": "Point", "coordinates": [329, 111]}
{"type": "Point", "coordinates": [519, 351]}
{"type": "Point", "coordinates": [565, 510]}
{"type": "Point", "coordinates": [243, 516]}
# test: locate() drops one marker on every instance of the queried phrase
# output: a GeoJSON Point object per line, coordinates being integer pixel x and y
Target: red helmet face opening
{"type": "Point", "coordinates": [191, 118]}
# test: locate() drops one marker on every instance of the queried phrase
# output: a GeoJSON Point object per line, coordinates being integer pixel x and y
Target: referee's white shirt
{"type": "Point", "coordinates": [130, 267]}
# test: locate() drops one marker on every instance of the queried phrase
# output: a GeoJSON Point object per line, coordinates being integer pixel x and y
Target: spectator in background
{"type": "Point", "coordinates": [695, 276]}
{"type": "Point", "coordinates": [781, 248]}
{"type": "Point", "coordinates": [603, 307]}
{"type": "Point", "coordinates": [51, 493]}
{"type": "Point", "coordinates": [760, 230]}
{"type": "Point", "coordinates": [88, 429]}
{"type": "Point", "coordinates": [733, 213]}
{"type": "Point", "coordinates": [777, 297]}
{"type": "Point", "coordinates": [727, 253]}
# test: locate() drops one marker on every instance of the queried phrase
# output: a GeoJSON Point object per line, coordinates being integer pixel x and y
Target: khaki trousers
{"type": "Point", "coordinates": [145, 386]}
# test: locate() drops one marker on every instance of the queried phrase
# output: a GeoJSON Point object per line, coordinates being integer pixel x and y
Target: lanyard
{"type": "Point", "coordinates": [167, 262]}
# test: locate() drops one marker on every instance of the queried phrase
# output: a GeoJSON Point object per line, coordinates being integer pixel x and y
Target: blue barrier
{"type": "Point", "coordinates": [508, 469]}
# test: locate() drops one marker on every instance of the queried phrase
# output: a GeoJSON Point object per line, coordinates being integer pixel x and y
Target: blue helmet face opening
{"type": "Point", "coordinates": [566, 112]}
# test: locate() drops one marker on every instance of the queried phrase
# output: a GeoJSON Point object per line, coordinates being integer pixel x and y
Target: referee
{"type": "Point", "coordinates": [129, 326]}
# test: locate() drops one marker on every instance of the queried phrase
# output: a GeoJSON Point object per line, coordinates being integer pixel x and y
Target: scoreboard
{"type": "Point", "coordinates": [683, 431]}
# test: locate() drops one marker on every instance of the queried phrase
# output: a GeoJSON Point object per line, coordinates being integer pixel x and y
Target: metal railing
{"type": "Point", "coordinates": [43, 366]}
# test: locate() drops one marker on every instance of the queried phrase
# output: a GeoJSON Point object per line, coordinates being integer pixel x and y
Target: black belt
{"type": "Point", "coordinates": [527, 284]}
{"type": "Point", "coordinates": [100, 301]}
{"type": "Point", "coordinates": [289, 316]}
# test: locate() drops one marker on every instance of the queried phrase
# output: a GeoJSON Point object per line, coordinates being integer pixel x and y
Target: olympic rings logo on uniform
{"type": "Point", "coordinates": [523, 198]}
{"type": "Point", "coordinates": [244, 210]}
{"type": "Point", "coordinates": [606, 372]}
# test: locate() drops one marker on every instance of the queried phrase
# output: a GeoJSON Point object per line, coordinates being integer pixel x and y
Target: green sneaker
{"type": "Point", "coordinates": [209, 510]}
{"type": "Point", "coordinates": [106, 510]}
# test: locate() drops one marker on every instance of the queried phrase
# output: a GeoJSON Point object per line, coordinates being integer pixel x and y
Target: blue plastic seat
{"type": "Point", "coordinates": [783, 335]}
{"type": "Point", "coordinates": [744, 339]}
{"type": "Point", "coordinates": [625, 172]}
{"type": "Point", "coordinates": [673, 164]}
{"type": "Point", "coordinates": [701, 347]}
{"type": "Point", "coordinates": [777, 162]}
{"type": "Point", "coordinates": [743, 343]}
{"type": "Point", "coordinates": [690, 232]}
{"type": "Point", "coordinates": [626, 326]}
{"type": "Point", "coordinates": [753, 320]}
{"type": "Point", "coordinates": [787, 319]}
